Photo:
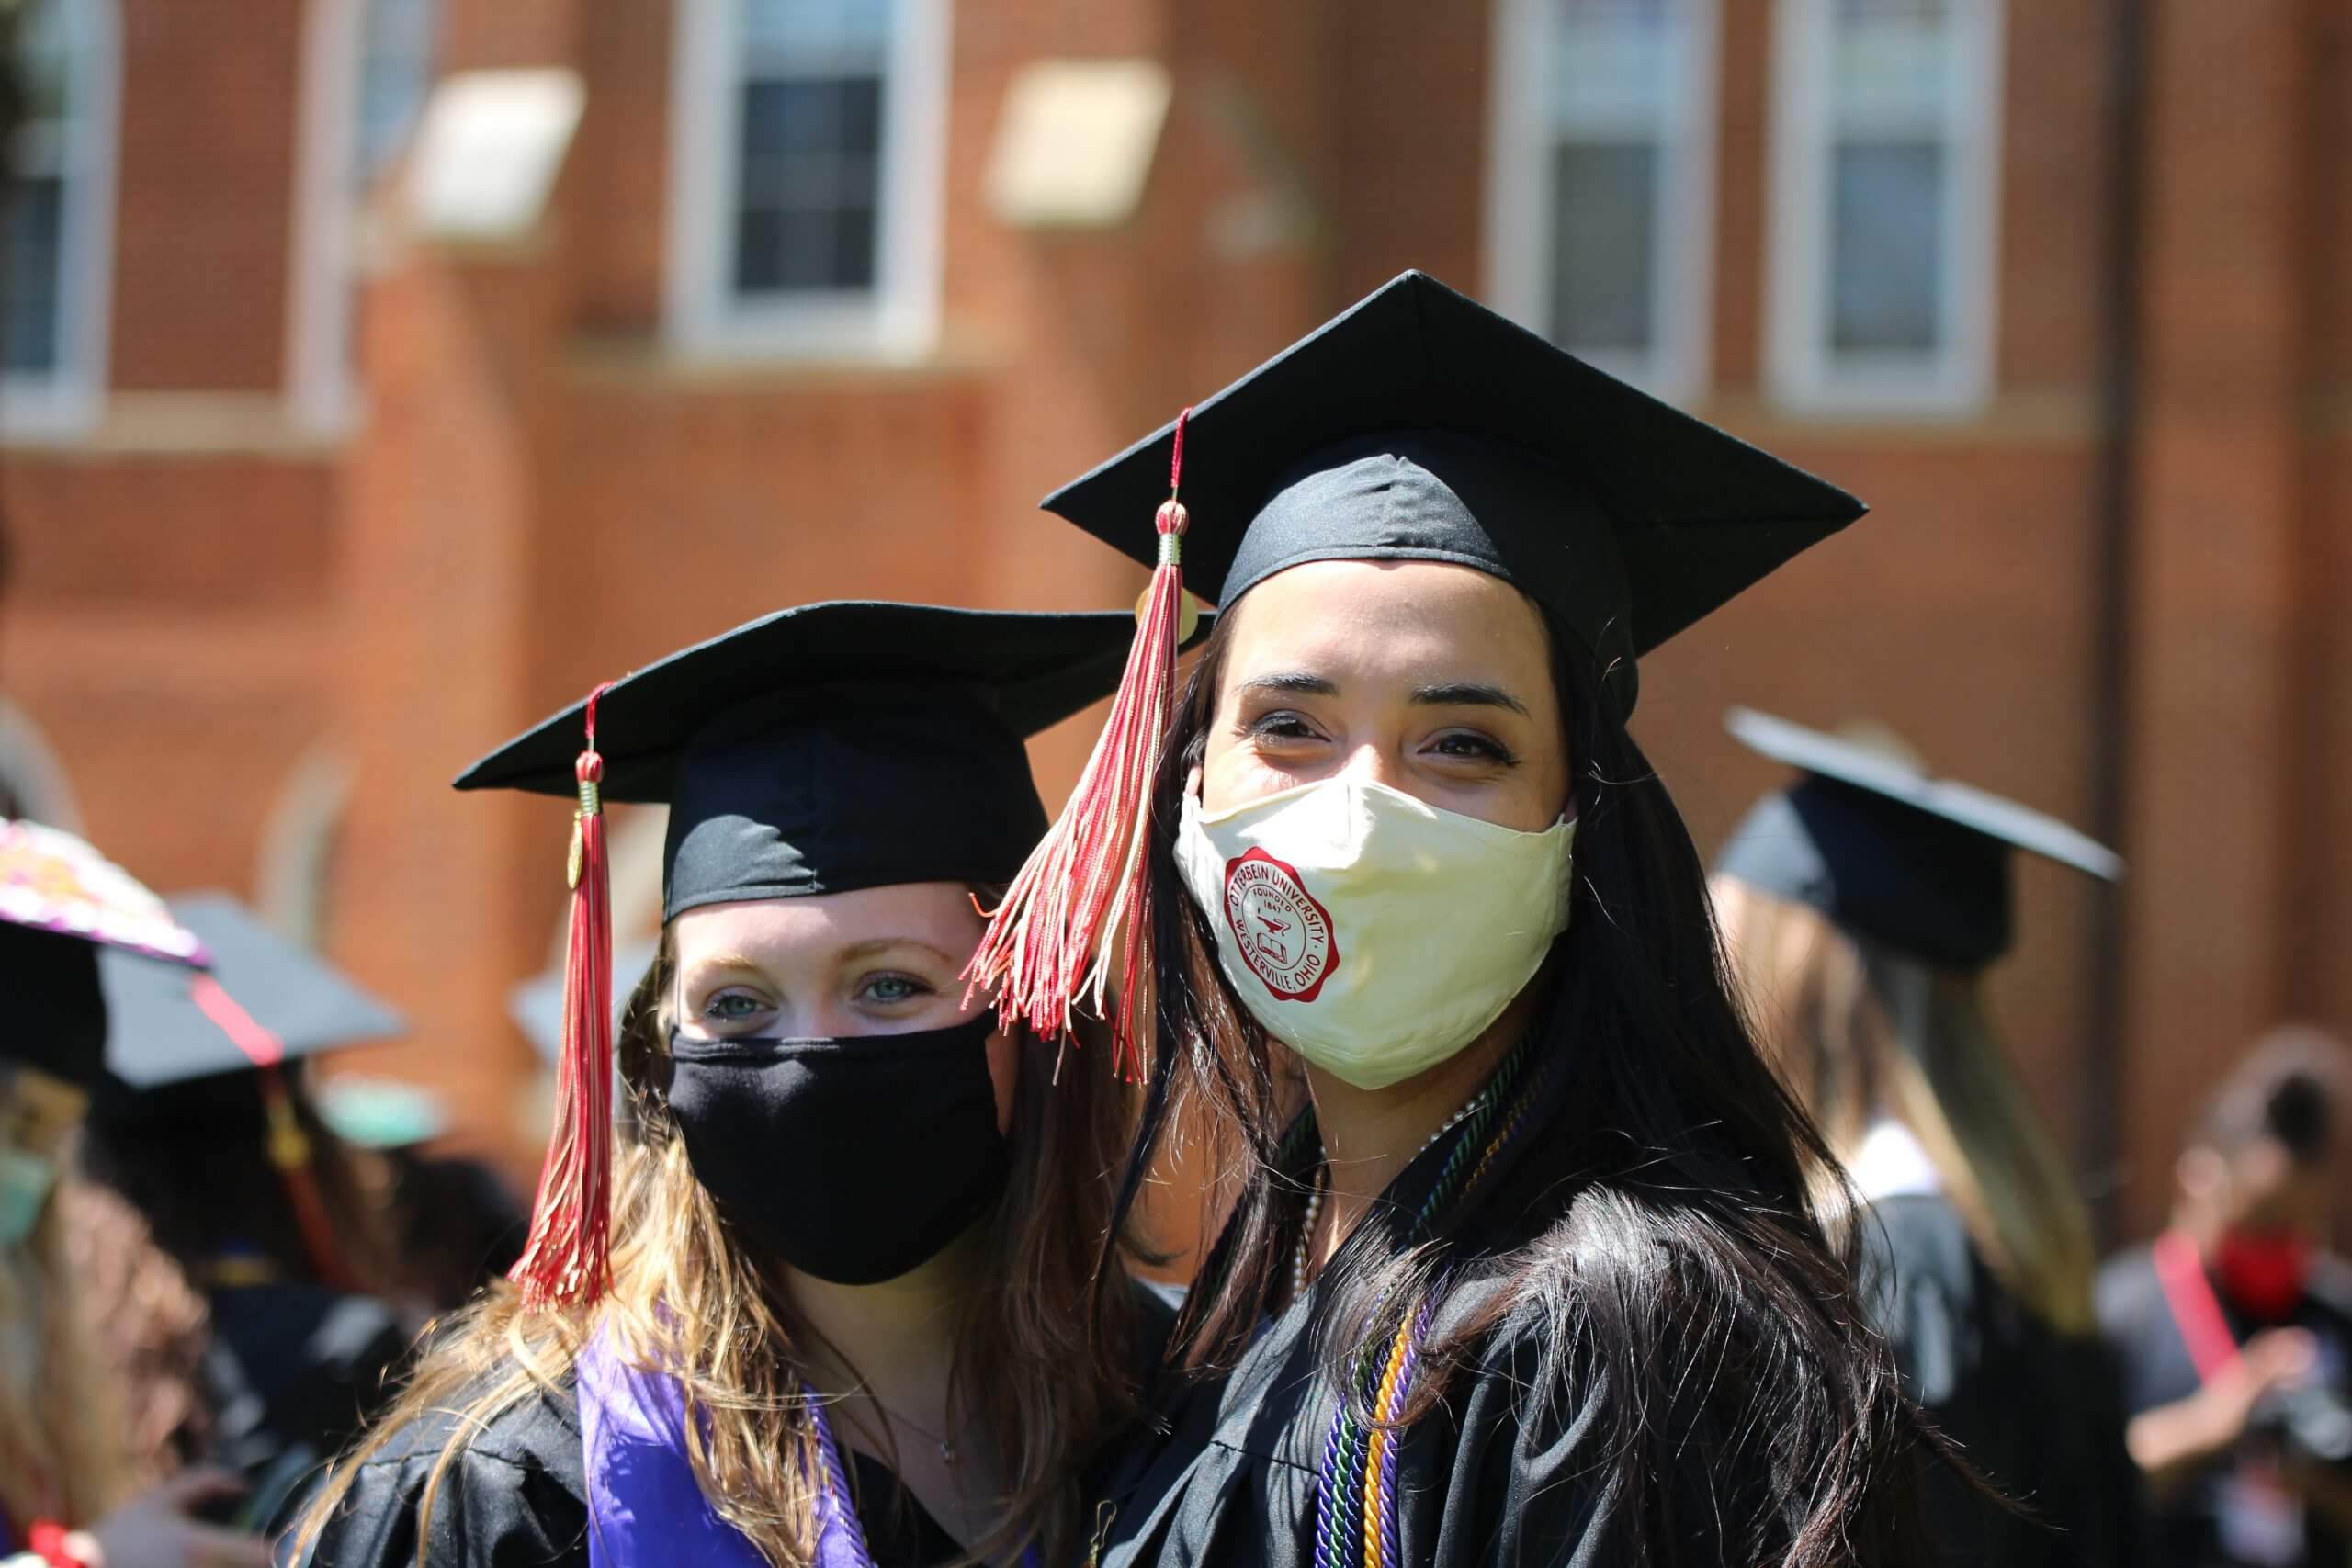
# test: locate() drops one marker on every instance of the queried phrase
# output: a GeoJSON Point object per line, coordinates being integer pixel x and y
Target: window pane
{"type": "Point", "coordinates": [1887, 247]}
{"type": "Point", "coordinates": [31, 235]}
{"type": "Point", "coordinates": [1612, 62]}
{"type": "Point", "coordinates": [1893, 60]}
{"type": "Point", "coordinates": [782, 36]}
{"type": "Point", "coordinates": [395, 72]}
{"type": "Point", "coordinates": [1605, 242]}
{"type": "Point", "coordinates": [33, 227]}
{"type": "Point", "coordinates": [810, 184]}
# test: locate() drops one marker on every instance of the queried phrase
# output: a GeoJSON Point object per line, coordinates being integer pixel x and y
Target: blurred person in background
{"type": "Point", "coordinates": [210, 1177]}
{"type": "Point", "coordinates": [1535, 1275]}
{"type": "Point", "coordinates": [455, 1223]}
{"type": "Point", "coordinates": [70, 1494]}
{"type": "Point", "coordinates": [844, 1317]}
{"type": "Point", "coordinates": [2235, 1326]}
{"type": "Point", "coordinates": [1862, 909]}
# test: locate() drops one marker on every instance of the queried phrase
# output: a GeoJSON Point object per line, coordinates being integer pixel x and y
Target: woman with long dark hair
{"type": "Point", "coordinates": [1530, 1272]}
{"type": "Point", "coordinates": [844, 1316]}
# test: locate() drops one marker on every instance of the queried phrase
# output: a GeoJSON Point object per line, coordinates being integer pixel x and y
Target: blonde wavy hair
{"type": "Point", "coordinates": [1862, 1032]}
{"type": "Point", "coordinates": [1034, 1369]}
{"type": "Point", "coordinates": [60, 1413]}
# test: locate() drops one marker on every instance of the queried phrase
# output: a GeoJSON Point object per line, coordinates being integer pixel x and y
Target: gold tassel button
{"type": "Point", "coordinates": [1188, 614]}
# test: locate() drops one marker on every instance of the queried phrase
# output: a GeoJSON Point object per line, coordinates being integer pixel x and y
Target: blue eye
{"type": "Point", "coordinates": [732, 1006]}
{"type": "Point", "coordinates": [891, 989]}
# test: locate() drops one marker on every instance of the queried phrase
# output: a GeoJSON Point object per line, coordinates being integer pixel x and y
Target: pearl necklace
{"type": "Point", "coordinates": [1299, 1270]}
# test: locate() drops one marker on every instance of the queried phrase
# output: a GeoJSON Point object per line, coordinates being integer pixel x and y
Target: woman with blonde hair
{"type": "Point", "coordinates": [1861, 909]}
{"type": "Point", "coordinates": [842, 1318]}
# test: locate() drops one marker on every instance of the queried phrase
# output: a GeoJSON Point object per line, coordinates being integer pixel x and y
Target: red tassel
{"type": "Point", "coordinates": [1080, 895]}
{"type": "Point", "coordinates": [567, 1262]}
{"type": "Point", "coordinates": [289, 1148]}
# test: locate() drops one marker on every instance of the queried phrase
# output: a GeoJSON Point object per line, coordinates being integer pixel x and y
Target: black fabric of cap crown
{"type": "Point", "coordinates": [1920, 863]}
{"type": "Point", "coordinates": [836, 746]}
{"type": "Point", "coordinates": [1420, 425]}
{"type": "Point", "coordinates": [52, 1010]}
{"type": "Point", "coordinates": [157, 1035]}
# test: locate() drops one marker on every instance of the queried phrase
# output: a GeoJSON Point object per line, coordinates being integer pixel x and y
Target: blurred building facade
{"type": "Point", "coordinates": [381, 374]}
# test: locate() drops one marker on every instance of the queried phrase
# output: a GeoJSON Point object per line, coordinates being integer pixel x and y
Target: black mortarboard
{"type": "Point", "coordinates": [835, 746]}
{"type": "Point", "coordinates": [1420, 425]}
{"type": "Point", "coordinates": [1920, 863]}
{"type": "Point", "coordinates": [61, 903]}
{"type": "Point", "coordinates": [267, 1001]}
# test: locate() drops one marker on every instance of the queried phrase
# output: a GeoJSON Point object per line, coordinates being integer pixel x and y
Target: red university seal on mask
{"type": "Point", "coordinates": [1284, 933]}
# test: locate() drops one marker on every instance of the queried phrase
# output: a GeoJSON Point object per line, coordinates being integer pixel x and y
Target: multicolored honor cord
{"type": "Point", "coordinates": [1355, 1490]}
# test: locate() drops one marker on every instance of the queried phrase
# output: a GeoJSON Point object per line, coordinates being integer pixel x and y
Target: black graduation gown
{"type": "Point", "coordinates": [294, 1372]}
{"type": "Point", "coordinates": [2036, 1413]}
{"type": "Point", "coordinates": [1522, 1461]}
{"type": "Point", "coordinates": [1508, 1472]}
{"type": "Point", "coordinates": [517, 1497]}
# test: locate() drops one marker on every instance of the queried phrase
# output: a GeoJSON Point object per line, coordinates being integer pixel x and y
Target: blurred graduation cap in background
{"type": "Point", "coordinates": [267, 1000]}
{"type": "Point", "coordinates": [188, 1053]}
{"type": "Point", "coordinates": [1871, 838]}
{"type": "Point", "coordinates": [62, 904]}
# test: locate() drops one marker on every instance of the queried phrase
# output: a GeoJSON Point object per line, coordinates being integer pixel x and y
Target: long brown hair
{"type": "Point", "coordinates": [1046, 1385]}
{"type": "Point", "coordinates": [1683, 1267]}
{"type": "Point", "coordinates": [59, 1408]}
{"type": "Point", "coordinates": [1862, 1032]}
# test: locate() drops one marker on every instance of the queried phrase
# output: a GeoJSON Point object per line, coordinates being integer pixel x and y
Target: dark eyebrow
{"type": "Point", "coordinates": [1294, 681]}
{"type": "Point", "coordinates": [1468, 695]}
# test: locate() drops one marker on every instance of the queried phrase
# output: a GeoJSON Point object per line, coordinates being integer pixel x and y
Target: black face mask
{"type": "Point", "coordinates": [852, 1160]}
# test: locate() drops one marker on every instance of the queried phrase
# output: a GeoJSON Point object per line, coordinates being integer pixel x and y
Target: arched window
{"type": "Point", "coordinates": [56, 238]}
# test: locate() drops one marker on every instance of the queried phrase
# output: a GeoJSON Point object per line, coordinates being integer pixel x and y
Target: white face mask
{"type": "Point", "coordinates": [1369, 931]}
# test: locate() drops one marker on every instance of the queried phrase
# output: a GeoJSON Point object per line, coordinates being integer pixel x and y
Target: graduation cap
{"type": "Point", "coordinates": [818, 749]}
{"type": "Point", "coordinates": [267, 1001]}
{"type": "Point", "coordinates": [1920, 864]}
{"type": "Point", "coordinates": [208, 1050]}
{"type": "Point", "coordinates": [1417, 425]}
{"type": "Point", "coordinates": [61, 903]}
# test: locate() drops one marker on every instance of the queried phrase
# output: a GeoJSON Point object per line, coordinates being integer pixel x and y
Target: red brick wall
{"type": "Point", "coordinates": [164, 626]}
{"type": "Point", "coordinates": [204, 198]}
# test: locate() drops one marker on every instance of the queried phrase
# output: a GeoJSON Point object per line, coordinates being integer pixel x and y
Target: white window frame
{"type": "Point", "coordinates": [1802, 372]}
{"type": "Point", "coordinates": [1519, 198]}
{"type": "Point", "coordinates": [899, 320]}
{"type": "Point", "coordinates": [322, 392]}
{"type": "Point", "coordinates": [68, 399]}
